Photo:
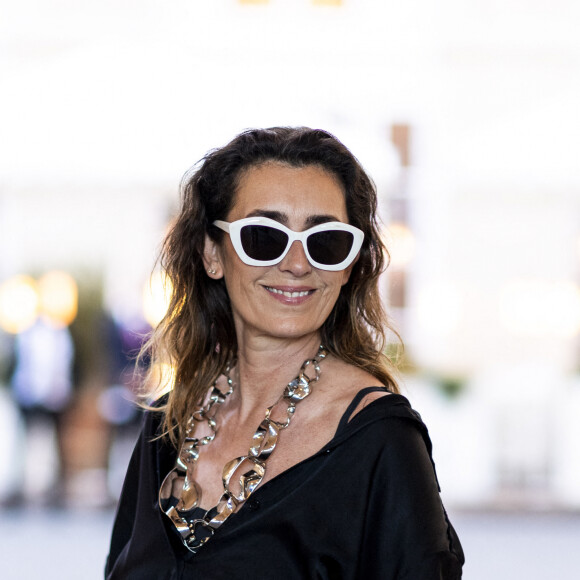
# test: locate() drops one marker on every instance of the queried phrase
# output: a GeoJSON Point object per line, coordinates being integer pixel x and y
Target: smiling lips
{"type": "Point", "coordinates": [289, 294]}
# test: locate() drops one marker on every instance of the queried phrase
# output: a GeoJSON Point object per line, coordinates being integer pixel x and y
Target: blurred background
{"type": "Point", "coordinates": [466, 114]}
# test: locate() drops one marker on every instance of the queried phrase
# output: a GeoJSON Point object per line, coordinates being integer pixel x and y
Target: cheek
{"type": "Point", "coordinates": [346, 275]}
{"type": "Point", "coordinates": [240, 281]}
{"type": "Point", "coordinates": [237, 286]}
{"type": "Point", "coordinates": [333, 290]}
{"type": "Point", "coordinates": [336, 280]}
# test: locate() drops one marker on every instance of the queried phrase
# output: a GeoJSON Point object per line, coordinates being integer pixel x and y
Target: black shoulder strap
{"type": "Point", "coordinates": [355, 402]}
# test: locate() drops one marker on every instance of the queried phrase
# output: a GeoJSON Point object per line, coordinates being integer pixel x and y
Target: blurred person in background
{"type": "Point", "coordinates": [284, 449]}
{"type": "Point", "coordinates": [42, 390]}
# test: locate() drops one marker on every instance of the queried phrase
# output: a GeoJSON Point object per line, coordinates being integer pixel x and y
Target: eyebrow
{"type": "Point", "coordinates": [278, 216]}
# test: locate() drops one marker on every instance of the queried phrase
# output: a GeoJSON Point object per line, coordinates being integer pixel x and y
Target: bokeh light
{"type": "Point", "coordinates": [58, 294]}
{"type": "Point", "coordinates": [156, 297]}
{"type": "Point", "coordinates": [19, 302]}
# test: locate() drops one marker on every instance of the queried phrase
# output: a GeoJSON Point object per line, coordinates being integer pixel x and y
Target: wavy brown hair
{"type": "Point", "coordinates": [197, 335]}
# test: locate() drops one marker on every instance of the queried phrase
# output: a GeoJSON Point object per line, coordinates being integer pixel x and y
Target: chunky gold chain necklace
{"type": "Point", "coordinates": [180, 495]}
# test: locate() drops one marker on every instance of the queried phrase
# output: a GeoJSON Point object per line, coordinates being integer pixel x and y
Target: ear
{"type": "Point", "coordinates": [212, 259]}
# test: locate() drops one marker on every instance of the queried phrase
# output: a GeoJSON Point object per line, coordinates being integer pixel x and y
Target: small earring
{"type": "Point", "coordinates": [211, 271]}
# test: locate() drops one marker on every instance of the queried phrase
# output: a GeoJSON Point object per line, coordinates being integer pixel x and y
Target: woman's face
{"type": "Point", "coordinates": [264, 299]}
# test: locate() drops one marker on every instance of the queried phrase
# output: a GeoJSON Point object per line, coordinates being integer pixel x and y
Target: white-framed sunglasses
{"type": "Point", "coordinates": [261, 241]}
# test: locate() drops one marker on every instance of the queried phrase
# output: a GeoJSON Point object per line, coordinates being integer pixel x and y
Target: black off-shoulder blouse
{"type": "Point", "coordinates": [366, 506]}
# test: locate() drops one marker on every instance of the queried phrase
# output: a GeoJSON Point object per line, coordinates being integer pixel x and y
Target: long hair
{"type": "Point", "coordinates": [197, 336]}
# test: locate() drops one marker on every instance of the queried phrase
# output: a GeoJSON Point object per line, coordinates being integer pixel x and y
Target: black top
{"type": "Point", "coordinates": [366, 506]}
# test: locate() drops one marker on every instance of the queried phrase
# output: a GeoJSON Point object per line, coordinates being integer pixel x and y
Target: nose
{"type": "Point", "coordinates": [295, 261]}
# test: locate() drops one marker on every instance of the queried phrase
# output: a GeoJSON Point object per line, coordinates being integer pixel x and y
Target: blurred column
{"type": "Point", "coordinates": [399, 238]}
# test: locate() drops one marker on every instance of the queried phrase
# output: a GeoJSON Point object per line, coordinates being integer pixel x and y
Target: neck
{"type": "Point", "coordinates": [263, 370]}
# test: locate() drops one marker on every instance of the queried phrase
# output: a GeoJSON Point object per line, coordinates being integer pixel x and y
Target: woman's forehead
{"type": "Point", "coordinates": [292, 192]}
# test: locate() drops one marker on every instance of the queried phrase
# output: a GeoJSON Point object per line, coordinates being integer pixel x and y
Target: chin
{"type": "Point", "coordinates": [290, 330]}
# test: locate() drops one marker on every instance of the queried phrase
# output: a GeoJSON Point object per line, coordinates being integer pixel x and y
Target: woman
{"type": "Point", "coordinates": [284, 449]}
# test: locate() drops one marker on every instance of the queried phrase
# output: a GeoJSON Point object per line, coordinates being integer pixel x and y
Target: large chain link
{"type": "Point", "coordinates": [180, 495]}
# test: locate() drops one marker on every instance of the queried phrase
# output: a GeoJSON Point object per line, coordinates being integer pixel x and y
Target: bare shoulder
{"type": "Point", "coordinates": [347, 380]}
{"type": "Point", "coordinates": [369, 398]}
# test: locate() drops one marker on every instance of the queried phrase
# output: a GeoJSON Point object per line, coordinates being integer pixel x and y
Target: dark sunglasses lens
{"type": "Point", "coordinates": [331, 247]}
{"type": "Point", "coordinates": [262, 242]}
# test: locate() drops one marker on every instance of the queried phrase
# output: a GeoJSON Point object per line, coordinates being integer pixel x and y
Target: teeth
{"type": "Point", "coordinates": [287, 294]}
